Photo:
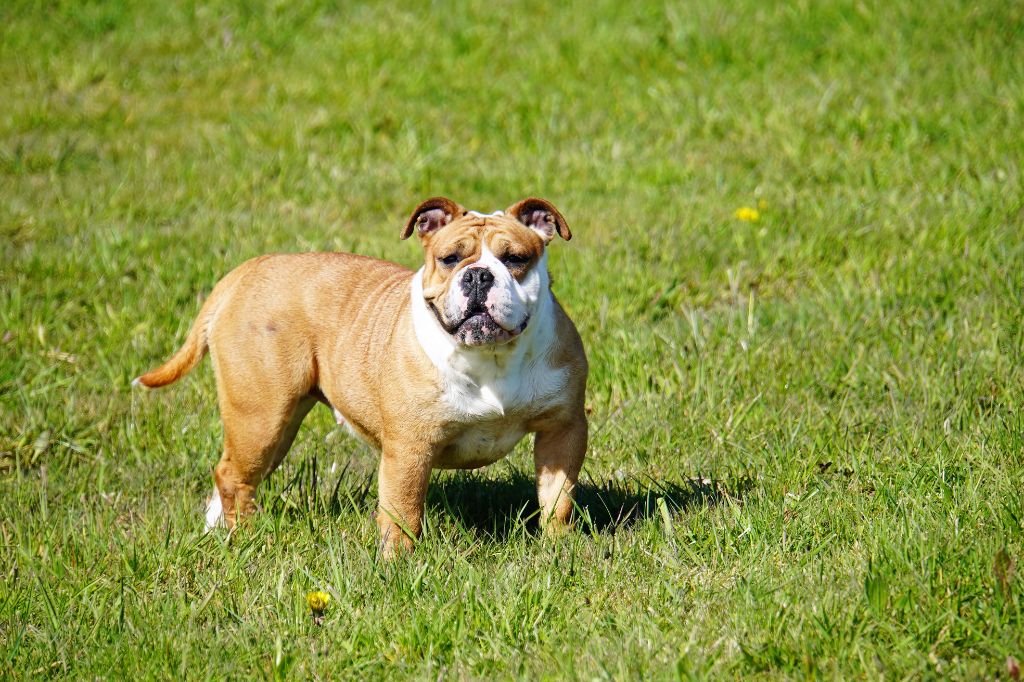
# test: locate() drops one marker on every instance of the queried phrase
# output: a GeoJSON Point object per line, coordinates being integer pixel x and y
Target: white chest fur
{"type": "Point", "coordinates": [493, 391]}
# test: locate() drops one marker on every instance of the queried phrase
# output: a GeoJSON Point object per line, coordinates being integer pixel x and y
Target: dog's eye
{"type": "Point", "coordinates": [514, 259]}
{"type": "Point", "coordinates": [449, 260]}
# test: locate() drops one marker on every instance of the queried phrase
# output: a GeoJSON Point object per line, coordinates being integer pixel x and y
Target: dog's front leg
{"type": "Point", "coordinates": [558, 454]}
{"type": "Point", "coordinates": [402, 484]}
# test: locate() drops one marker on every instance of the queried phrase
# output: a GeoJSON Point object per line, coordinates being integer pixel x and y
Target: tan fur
{"type": "Point", "coordinates": [285, 331]}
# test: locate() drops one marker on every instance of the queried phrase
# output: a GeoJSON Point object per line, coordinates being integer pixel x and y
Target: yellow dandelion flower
{"type": "Point", "coordinates": [318, 601]}
{"type": "Point", "coordinates": [747, 214]}
{"type": "Point", "coordinates": [762, 204]}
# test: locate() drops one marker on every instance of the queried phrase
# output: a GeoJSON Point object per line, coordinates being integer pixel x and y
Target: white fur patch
{"type": "Point", "coordinates": [214, 511]}
{"type": "Point", "coordinates": [550, 487]}
{"type": "Point", "coordinates": [478, 214]}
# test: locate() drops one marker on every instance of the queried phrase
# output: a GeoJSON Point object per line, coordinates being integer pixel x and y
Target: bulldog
{"type": "Point", "coordinates": [447, 367]}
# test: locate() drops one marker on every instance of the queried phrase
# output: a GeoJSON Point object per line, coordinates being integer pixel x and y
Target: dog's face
{"type": "Point", "coordinates": [484, 274]}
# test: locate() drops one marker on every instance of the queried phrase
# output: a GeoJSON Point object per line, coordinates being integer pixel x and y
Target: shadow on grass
{"type": "Point", "coordinates": [500, 506]}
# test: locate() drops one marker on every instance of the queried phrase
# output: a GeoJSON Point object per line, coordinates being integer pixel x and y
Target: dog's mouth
{"type": "Point", "coordinates": [484, 319]}
{"type": "Point", "coordinates": [478, 328]}
{"type": "Point", "coordinates": [477, 318]}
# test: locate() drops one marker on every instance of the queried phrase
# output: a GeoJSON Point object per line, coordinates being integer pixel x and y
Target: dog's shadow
{"type": "Point", "coordinates": [499, 506]}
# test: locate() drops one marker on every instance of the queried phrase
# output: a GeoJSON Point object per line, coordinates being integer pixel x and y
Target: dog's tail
{"type": "Point", "coordinates": [182, 362]}
{"type": "Point", "coordinates": [194, 348]}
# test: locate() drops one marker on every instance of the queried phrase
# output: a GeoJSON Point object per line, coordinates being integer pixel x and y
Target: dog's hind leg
{"type": "Point", "coordinates": [215, 508]}
{"type": "Point", "coordinates": [260, 424]}
{"type": "Point", "coordinates": [284, 443]}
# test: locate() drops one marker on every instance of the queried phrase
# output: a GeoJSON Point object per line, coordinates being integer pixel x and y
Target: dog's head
{"type": "Point", "coordinates": [484, 273]}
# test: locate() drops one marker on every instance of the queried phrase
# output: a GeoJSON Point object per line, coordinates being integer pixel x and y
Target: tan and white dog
{"type": "Point", "coordinates": [446, 367]}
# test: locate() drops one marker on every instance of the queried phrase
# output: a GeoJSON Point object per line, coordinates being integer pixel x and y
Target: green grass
{"type": "Point", "coordinates": [807, 432]}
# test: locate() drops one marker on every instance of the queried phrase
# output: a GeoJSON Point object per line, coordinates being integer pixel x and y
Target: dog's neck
{"type": "Point", "coordinates": [494, 374]}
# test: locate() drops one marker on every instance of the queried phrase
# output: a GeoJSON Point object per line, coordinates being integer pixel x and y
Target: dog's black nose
{"type": "Point", "coordinates": [476, 282]}
{"type": "Point", "coordinates": [477, 279]}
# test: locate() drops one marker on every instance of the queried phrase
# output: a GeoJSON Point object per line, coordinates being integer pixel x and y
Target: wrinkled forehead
{"type": "Point", "coordinates": [491, 228]}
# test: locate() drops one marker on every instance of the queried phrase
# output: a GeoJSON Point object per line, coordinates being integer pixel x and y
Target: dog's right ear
{"type": "Point", "coordinates": [432, 215]}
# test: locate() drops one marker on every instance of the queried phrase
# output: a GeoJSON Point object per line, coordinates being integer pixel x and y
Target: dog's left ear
{"type": "Point", "coordinates": [542, 216]}
{"type": "Point", "coordinates": [431, 215]}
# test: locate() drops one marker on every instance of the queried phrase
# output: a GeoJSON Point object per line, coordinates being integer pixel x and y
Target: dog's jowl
{"type": "Point", "coordinates": [446, 367]}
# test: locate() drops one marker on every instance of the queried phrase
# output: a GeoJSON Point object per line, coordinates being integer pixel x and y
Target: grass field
{"type": "Point", "coordinates": [807, 430]}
